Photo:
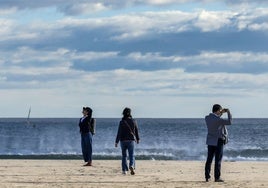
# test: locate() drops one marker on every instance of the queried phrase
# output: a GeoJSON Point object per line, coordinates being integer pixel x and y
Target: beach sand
{"type": "Point", "coordinates": [104, 173]}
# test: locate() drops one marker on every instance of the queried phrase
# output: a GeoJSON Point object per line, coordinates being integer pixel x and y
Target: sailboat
{"type": "Point", "coordinates": [28, 117]}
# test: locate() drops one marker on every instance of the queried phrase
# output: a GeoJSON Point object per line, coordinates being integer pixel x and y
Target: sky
{"type": "Point", "coordinates": [161, 58]}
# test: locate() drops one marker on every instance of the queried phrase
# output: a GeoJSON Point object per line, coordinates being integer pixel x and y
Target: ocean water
{"type": "Point", "coordinates": [161, 139]}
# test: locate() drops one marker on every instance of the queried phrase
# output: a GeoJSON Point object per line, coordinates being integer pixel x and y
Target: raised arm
{"type": "Point", "coordinates": [227, 121]}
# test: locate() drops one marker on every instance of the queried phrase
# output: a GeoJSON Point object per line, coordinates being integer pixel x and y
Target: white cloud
{"type": "Point", "coordinates": [8, 11]}
{"type": "Point", "coordinates": [175, 82]}
{"type": "Point", "coordinates": [25, 55]}
{"type": "Point", "coordinates": [91, 56]}
{"type": "Point", "coordinates": [165, 2]}
{"type": "Point", "coordinates": [28, 64]}
{"type": "Point", "coordinates": [211, 21]}
{"type": "Point", "coordinates": [39, 61]}
{"type": "Point", "coordinates": [143, 24]}
{"type": "Point", "coordinates": [232, 58]}
{"type": "Point", "coordinates": [52, 68]}
{"type": "Point", "coordinates": [10, 30]}
{"type": "Point", "coordinates": [255, 19]}
{"type": "Point", "coordinates": [243, 62]}
{"type": "Point", "coordinates": [138, 25]}
{"type": "Point", "coordinates": [6, 27]}
{"type": "Point", "coordinates": [72, 7]}
{"type": "Point", "coordinates": [82, 8]}
{"type": "Point", "coordinates": [109, 91]}
{"type": "Point", "coordinates": [259, 27]}
{"type": "Point", "coordinates": [149, 57]}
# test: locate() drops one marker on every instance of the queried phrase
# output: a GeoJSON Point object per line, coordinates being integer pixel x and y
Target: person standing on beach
{"type": "Point", "coordinates": [127, 135]}
{"type": "Point", "coordinates": [87, 131]}
{"type": "Point", "coordinates": [216, 139]}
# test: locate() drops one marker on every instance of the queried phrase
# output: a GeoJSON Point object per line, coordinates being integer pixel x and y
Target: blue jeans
{"type": "Point", "coordinates": [86, 144]}
{"type": "Point", "coordinates": [127, 145]}
{"type": "Point", "coordinates": [216, 151]}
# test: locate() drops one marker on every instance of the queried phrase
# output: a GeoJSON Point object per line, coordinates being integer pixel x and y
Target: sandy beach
{"type": "Point", "coordinates": [71, 173]}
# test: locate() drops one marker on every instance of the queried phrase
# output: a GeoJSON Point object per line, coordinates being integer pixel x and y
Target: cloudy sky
{"type": "Point", "coordinates": [162, 58]}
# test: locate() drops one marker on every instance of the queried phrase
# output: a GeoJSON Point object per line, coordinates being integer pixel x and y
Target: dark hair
{"type": "Point", "coordinates": [88, 110]}
{"type": "Point", "coordinates": [216, 107]}
{"type": "Point", "coordinates": [127, 113]}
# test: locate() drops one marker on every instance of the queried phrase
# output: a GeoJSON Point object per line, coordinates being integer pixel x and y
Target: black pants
{"type": "Point", "coordinates": [216, 151]}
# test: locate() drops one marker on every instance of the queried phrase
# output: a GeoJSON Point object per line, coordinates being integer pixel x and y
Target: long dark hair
{"type": "Point", "coordinates": [126, 113]}
{"type": "Point", "coordinates": [89, 111]}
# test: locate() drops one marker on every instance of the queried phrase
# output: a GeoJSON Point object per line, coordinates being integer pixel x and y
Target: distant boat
{"type": "Point", "coordinates": [28, 117]}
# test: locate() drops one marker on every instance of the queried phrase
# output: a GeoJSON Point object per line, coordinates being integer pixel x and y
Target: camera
{"type": "Point", "coordinates": [224, 110]}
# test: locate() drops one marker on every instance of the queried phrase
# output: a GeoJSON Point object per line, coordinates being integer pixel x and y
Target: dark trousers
{"type": "Point", "coordinates": [86, 144]}
{"type": "Point", "coordinates": [216, 151]}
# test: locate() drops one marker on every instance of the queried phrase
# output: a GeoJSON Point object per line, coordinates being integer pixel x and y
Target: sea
{"type": "Point", "coordinates": [161, 139]}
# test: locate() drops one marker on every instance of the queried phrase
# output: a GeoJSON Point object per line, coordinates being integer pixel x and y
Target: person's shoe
{"type": "Point", "coordinates": [88, 164]}
{"type": "Point", "coordinates": [124, 172]}
{"type": "Point", "coordinates": [207, 179]}
{"type": "Point", "coordinates": [132, 171]}
{"type": "Point", "coordinates": [219, 180]}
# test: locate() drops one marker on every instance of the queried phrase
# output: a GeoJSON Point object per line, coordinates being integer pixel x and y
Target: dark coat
{"type": "Point", "coordinates": [84, 125]}
{"type": "Point", "coordinates": [127, 130]}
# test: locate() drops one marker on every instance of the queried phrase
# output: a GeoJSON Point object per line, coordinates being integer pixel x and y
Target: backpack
{"type": "Point", "coordinates": [92, 126]}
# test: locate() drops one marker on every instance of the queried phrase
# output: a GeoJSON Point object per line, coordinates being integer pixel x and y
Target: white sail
{"type": "Point", "coordinates": [29, 114]}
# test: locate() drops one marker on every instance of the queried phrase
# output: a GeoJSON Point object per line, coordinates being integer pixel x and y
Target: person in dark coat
{"type": "Point", "coordinates": [86, 135]}
{"type": "Point", "coordinates": [127, 135]}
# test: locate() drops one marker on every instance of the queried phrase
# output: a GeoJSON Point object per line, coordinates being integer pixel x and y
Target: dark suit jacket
{"type": "Point", "coordinates": [215, 126]}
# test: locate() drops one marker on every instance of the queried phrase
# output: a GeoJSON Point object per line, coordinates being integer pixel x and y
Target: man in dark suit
{"type": "Point", "coordinates": [216, 138]}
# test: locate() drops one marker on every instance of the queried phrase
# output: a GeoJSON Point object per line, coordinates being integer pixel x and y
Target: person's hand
{"type": "Point", "coordinates": [224, 110]}
{"type": "Point", "coordinates": [116, 145]}
{"type": "Point", "coordinates": [138, 141]}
